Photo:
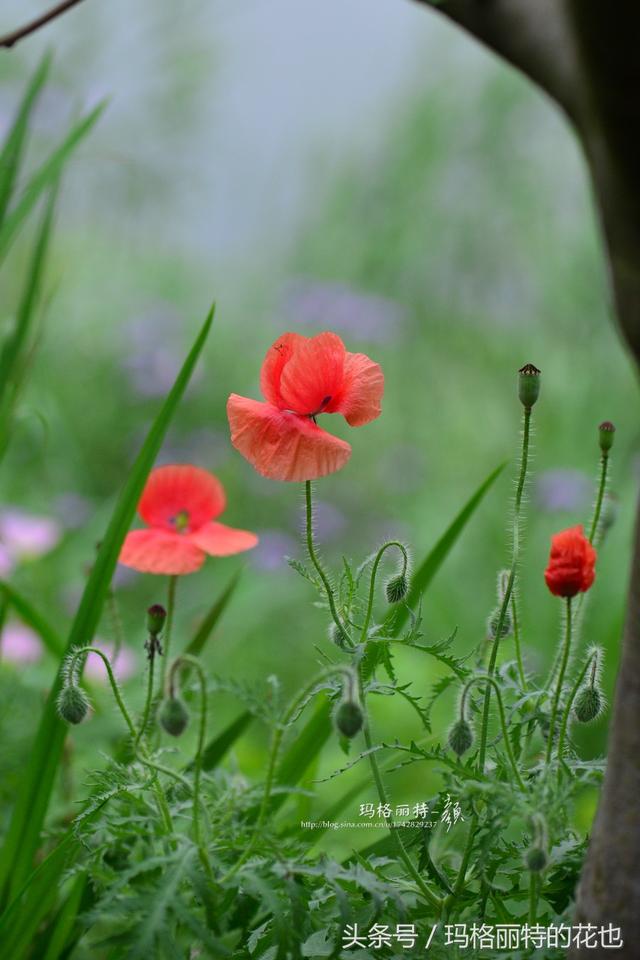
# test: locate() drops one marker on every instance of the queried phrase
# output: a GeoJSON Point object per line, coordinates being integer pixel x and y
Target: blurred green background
{"type": "Point", "coordinates": [369, 172]}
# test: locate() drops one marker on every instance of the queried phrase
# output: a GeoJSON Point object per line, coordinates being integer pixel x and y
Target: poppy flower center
{"type": "Point", "coordinates": [321, 409]}
{"type": "Point", "coordinates": [181, 521]}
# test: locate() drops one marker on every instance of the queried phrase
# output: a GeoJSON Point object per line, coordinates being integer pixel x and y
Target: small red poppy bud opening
{"type": "Point", "coordinates": [180, 504]}
{"type": "Point", "coordinates": [572, 559]}
{"type": "Point", "coordinates": [302, 378]}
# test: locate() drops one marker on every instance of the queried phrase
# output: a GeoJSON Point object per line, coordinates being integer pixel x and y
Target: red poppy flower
{"type": "Point", "coordinates": [179, 504]}
{"type": "Point", "coordinates": [572, 561]}
{"type": "Point", "coordinates": [301, 378]}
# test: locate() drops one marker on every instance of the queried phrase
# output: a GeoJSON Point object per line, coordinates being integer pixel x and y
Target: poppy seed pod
{"type": "Point", "coordinates": [173, 716]}
{"type": "Point", "coordinates": [396, 588]}
{"type": "Point", "coordinates": [588, 704]}
{"type": "Point", "coordinates": [73, 703]}
{"type": "Point", "coordinates": [460, 737]}
{"type": "Point", "coordinates": [528, 385]}
{"type": "Point", "coordinates": [348, 718]}
{"type": "Point", "coordinates": [606, 432]}
{"type": "Point", "coordinates": [156, 616]}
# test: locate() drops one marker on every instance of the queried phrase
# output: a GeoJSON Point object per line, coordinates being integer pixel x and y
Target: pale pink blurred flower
{"type": "Point", "coordinates": [27, 535]}
{"type": "Point", "coordinates": [6, 562]}
{"type": "Point", "coordinates": [123, 667]}
{"type": "Point", "coordinates": [20, 644]}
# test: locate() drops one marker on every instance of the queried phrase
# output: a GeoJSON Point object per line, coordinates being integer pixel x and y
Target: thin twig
{"type": "Point", "coordinates": [10, 39]}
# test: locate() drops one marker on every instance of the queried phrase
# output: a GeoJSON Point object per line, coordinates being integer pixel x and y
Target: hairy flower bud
{"type": "Point", "coordinates": [606, 433]}
{"type": "Point", "coordinates": [588, 704]}
{"type": "Point", "coordinates": [348, 718]}
{"type": "Point", "coordinates": [156, 616]}
{"type": "Point", "coordinates": [396, 588]}
{"type": "Point", "coordinates": [338, 636]}
{"type": "Point", "coordinates": [528, 385]}
{"type": "Point", "coordinates": [536, 858]}
{"type": "Point", "coordinates": [73, 703]}
{"type": "Point", "coordinates": [460, 737]}
{"type": "Point", "coordinates": [173, 716]}
{"type": "Point", "coordinates": [494, 622]}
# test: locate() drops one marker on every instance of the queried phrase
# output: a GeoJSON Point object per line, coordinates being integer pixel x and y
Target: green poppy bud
{"type": "Point", "coordinates": [588, 704]}
{"type": "Point", "coordinates": [338, 636]}
{"type": "Point", "coordinates": [156, 616]}
{"type": "Point", "coordinates": [348, 718]}
{"type": "Point", "coordinates": [396, 588]}
{"type": "Point", "coordinates": [606, 432]}
{"type": "Point", "coordinates": [494, 622]}
{"type": "Point", "coordinates": [460, 737]}
{"type": "Point", "coordinates": [528, 385]}
{"type": "Point", "coordinates": [536, 858]}
{"type": "Point", "coordinates": [73, 703]}
{"type": "Point", "coordinates": [173, 716]}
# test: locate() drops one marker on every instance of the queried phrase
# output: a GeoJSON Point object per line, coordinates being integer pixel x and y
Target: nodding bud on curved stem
{"type": "Point", "coordinates": [72, 703]}
{"type": "Point", "coordinates": [173, 716]}
{"type": "Point", "coordinates": [588, 704]}
{"type": "Point", "coordinates": [536, 855]}
{"type": "Point", "coordinates": [460, 737]}
{"type": "Point", "coordinates": [348, 715]}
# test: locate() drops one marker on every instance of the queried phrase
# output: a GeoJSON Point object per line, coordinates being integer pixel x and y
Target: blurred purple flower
{"type": "Point", "coordinates": [124, 666]}
{"type": "Point", "coordinates": [26, 535]}
{"type": "Point", "coordinates": [20, 644]}
{"type": "Point", "coordinates": [329, 521]}
{"type": "Point", "coordinates": [335, 306]}
{"type": "Point", "coordinates": [273, 547]}
{"type": "Point", "coordinates": [154, 351]}
{"type": "Point", "coordinates": [6, 561]}
{"type": "Point", "coordinates": [561, 489]}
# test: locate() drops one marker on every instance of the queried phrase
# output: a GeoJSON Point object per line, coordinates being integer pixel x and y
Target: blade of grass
{"type": "Point", "coordinates": [28, 613]}
{"type": "Point", "coordinates": [207, 626]}
{"type": "Point", "coordinates": [307, 745]}
{"type": "Point", "coordinates": [217, 748]}
{"type": "Point", "coordinates": [35, 791]}
{"type": "Point", "coordinates": [12, 358]}
{"type": "Point", "coordinates": [65, 921]}
{"type": "Point", "coordinates": [427, 570]}
{"type": "Point", "coordinates": [43, 177]}
{"type": "Point", "coordinates": [13, 149]}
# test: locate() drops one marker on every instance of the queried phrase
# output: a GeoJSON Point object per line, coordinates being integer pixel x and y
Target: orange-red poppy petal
{"type": "Point", "coordinates": [359, 401]}
{"type": "Point", "coordinates": [313, 374]}
{"type": "Point", "coordinates": [162, 552]}
{"type": "Point", "coordinates": [282, 445]}
{"type": "Point", "coordinates": [219, 540]}
{"type": "Point", "coordinates": [181, 489]}
{"type": "Point", "coordinates": [278, 354]}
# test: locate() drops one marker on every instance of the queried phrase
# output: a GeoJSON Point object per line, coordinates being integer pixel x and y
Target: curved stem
{"type": "Point", "coordinates": [161, 800]}
{"type": "Point", "coordinates": [566, 649]}
{"type": "Point", "coordinates": [516, 641]}
{"type": "Point", "coordinates": [503, 720]}
{"type": "Point", "coordinates": [604, 464]}
{"type": "Point", "coordinates": [328, 589]}
{"type": "Point", "coordinates": [374, 573]}
{"type": "Point", "coordinates": [166, 637]}
{"type": "Point", "coordinates": [591, 662]}
{"type": "Point", "coordinates": [292, 710]}
{"type": "Point", "coordinates": [147, 706]}
{"type": "Point", "coordinates": [533, 897]}
{"type": "Point", "coordinates": [428, 895]}
{"type": "Point", "coordinates": [183, 660]}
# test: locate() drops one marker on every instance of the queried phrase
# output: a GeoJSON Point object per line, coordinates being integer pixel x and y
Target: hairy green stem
{"type": "Point", "coordinates": [374, 573]}
{"type": "Point", "coordinates": [592, 662]}
{"type": "Point", "coordinates": [149, 699]}
{"type": "Point", "coordinates": [566, 650]}
{"type": "Point", "coordinates": [604, 466]}
{"type": "Point", "coordinates": [533, 897]}
{"type": "Point", "coordinates": [328, 589]}
{"type": "Point", "coordinates": [166, 636]}
{"type": "Point", "coordinates": [185, 660]}
{"type": "Point", "coordinates": [503, 720]}
{"type": "Point", "coordinates": [516, 641]}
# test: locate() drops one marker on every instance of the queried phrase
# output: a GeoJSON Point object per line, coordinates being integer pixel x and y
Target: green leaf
{"type": "Point", "coordinates": [64, 923]}
{"type": "Point", "coordinates": [427, 570]}
{"type": "Point", "coordinates": [16, 347]}
{"type": "Point", "coordinates": [13, 149]}
{"type": "Point", "coordinates": [207, 626]}
{"type": "Point", "coordinates": [35, 790]}
{"type": "Point", "coordinates": [28, 613]}
{"type": "Point", "coordinates": [47, 173]}
{"type": "Point", "coordinates": [305, 748]}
